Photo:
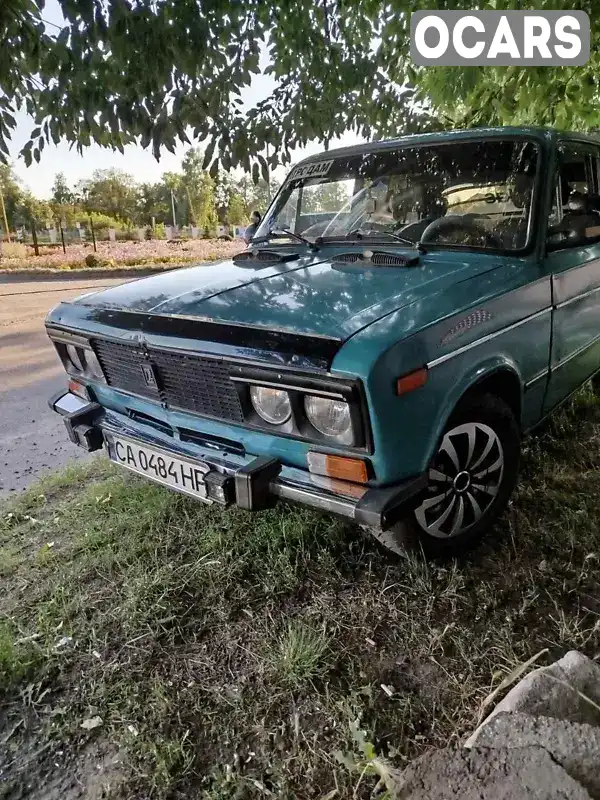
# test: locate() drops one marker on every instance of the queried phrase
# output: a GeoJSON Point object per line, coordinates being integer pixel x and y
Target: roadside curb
{"type": "Point", "coordinates": [20, 275]}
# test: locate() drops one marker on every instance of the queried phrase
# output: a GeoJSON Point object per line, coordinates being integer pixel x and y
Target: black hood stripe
{"type": "Point", "coordinates": [318, 349]}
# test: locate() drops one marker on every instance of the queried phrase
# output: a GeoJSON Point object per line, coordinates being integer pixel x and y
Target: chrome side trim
{"type": "Point", "coordinates": [577, 352]}
{"type": "Point", "coordinates": [542, 374]}
{"type": "Point", "coordinates": [66, 337]}
{"type": "Point", "coordinates": [487, 338]}
{"type": "Point", "coordinates": [287, 386]}
{"type": "Point", "coordinates": [577, 297]}
{"type": "Point", "coordinates": [335, 505]}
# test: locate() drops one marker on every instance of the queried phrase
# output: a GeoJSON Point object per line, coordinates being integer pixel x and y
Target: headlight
{"type": "Point", "coordinates": [93, 368]}
{"type": "Point", "coordinates": [79, 360]}
{"type": "Point", "coordinates": [75, 356]}
{"type": "Point", "coordinates": [273, 405]}
{"type": "Point", "coordinates": [329, 417]}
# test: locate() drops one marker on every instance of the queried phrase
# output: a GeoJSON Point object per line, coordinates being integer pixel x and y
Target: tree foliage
{"type": "Point", "coordinates": [162, 71]}
{"type": "Point", "coordinates": [12, 193]}
{"type": "Point", "coordinates": [565, 97]}
{"type": "Point", "coordinates": [111, 192]}
{"type": "Point", "coordinates": [61, 193]}
{"type": "Point", "coordinates": [325, 197]}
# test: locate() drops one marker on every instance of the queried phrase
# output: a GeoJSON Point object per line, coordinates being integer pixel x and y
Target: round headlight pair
{"type": "Point", "coordinates": [330, 417]}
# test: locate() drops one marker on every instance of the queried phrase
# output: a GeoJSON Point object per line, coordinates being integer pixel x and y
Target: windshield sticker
{"type": "Point", "coordinates": [316, 170]}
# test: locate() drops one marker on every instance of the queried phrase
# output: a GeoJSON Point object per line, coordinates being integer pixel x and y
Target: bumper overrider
{"type": "Point", "coordinates": [250, 482]}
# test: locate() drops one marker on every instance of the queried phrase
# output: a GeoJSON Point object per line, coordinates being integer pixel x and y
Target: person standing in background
{"type": "Point", "coordinates": [252, 228]}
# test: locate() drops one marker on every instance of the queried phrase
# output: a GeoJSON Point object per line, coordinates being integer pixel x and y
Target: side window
{"type": "Point", "coordinates": [575, 215]}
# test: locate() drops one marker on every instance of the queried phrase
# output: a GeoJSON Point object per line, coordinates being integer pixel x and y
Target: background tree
{"type": "Point", "coordinates": [176, 194]}
{"type": "Point", "coordinates": [62, 210]}
{"type": "Point", "coordinates": [225, 188]}
{"type": "Point", "coordinates": [200, 192]}
{"type": "Point", "coordinates": [256, 195]}
{"type": "Point", "coordinates": [153, 201]}
{"type": "Point", "coordinates": [30, 209]}
{"type": "Point", "coordinates": [61, 193]}
{"type": "Point", "coordinates": [111, 192]}
{"type": "Point", "coordinates": [325, 197]}
{"type": "Point", "coordinates": [12, 193]}
{"type": "Point", "coordinates": [236, 210]}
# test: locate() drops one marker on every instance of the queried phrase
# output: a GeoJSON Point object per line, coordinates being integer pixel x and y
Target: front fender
{"type": "Point", "coordinates": [462, 379]}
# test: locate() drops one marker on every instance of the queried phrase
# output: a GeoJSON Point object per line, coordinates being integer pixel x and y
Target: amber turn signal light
{"type": "Point", "coordinates": [346, 469]}
{"type": "Point", "coordinates": [79, 389]}
{"type": "Point", "coordinates": [414, 380]}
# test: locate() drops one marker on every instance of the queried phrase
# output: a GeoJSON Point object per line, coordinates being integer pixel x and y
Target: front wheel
{"type": "Point", "coordinates": [471, 478]}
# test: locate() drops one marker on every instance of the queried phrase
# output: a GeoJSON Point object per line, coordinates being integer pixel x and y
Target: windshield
{"type": "Point", "coordinates": [465, 194]}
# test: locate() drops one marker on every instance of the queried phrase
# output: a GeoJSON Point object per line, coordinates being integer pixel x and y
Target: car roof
{"type": "Point", "coordinates": [447, 136]}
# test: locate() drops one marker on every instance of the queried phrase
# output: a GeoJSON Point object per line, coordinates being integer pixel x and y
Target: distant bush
{"type": "Point", "coordinates": [129, 235]}
{"type": "Point", "coordinates": [158, 232]}
{"type": "Point", "coordinates": [14, 250]}
{"type": "Point", "coordinates": [92, 260]}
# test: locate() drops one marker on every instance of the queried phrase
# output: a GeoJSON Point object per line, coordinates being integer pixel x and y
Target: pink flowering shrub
{"type": "Point", "coordinates": [119, 254]}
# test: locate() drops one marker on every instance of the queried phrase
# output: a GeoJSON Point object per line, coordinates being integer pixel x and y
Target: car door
{"type": "Point", "coordinates": [573, 262]}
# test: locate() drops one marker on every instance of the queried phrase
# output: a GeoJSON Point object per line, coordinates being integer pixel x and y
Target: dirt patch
{"type": "Point", "coordinates": [43, 770]}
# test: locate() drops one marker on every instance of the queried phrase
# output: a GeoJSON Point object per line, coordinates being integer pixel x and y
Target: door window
{"type": "Point", "coordinates": [575, 215]}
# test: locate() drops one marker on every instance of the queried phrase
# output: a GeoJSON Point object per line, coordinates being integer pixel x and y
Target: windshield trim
{"type": "Point", "coordinates": [540, 142]}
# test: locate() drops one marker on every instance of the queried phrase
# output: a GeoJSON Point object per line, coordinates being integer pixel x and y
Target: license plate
{"type": "Point", "coordinates": [158, 465]}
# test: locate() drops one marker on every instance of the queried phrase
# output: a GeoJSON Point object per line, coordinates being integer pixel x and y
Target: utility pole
{"type": "Point", "coordinates": [173, 210]}
{"type": "Point", "coordinates": [6, 228]}
{"type": "Point", "coordinates": [34, 236]}
{"type": "Point", "coordinates": [89, 213]}
{"type": "Point", "coordinates": [268, 177]}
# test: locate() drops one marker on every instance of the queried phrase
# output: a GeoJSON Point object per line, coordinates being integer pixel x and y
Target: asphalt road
{"type": "Point", "coordinates": [32, 439]}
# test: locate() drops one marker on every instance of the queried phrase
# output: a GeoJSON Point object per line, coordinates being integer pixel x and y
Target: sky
{"type": "Point", "coordinates": [136, 161]}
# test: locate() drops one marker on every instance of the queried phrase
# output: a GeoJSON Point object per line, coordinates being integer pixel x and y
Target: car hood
{"type": "Point", "coordinates": [310, 295]}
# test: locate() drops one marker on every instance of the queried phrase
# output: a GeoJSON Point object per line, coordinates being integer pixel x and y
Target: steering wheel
{"type": "Point", "coordinates": [468, 225]}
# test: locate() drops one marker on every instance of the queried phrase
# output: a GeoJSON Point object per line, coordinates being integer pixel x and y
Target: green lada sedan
{"type": "Point", "coordinates": [405, 313]}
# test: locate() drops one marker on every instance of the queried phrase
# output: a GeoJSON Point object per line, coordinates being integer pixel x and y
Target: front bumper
{"type": "Point", "coordinates": [250, 482]}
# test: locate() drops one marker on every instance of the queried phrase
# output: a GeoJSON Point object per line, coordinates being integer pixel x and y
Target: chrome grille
{"type": "Point", "coordinates": [184, 381]}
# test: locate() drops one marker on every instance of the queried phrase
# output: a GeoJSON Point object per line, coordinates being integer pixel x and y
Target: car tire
{"type": "Point", "coordinates": [596, 383]}
{"type": "Point", "coordinates": [472, 476]}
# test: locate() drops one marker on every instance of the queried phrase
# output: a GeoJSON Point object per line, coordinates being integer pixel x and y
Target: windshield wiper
{"type": "Point", "coordinates": [359, 233]}
{"type": "Point", "coordinates": [284, 233]}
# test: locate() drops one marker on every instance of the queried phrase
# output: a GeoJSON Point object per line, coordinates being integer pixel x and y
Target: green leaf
{"type": "Point", "coordinates": [208, 155]}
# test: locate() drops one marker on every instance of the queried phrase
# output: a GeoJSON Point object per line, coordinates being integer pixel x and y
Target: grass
{"type": "Point", "coordinates": [280, 654]}
{"type": "Point", "coordinates": [298, 654]}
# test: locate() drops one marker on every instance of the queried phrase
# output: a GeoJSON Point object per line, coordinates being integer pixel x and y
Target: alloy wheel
{"type": "Point", "coordinates": [464, 480]}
